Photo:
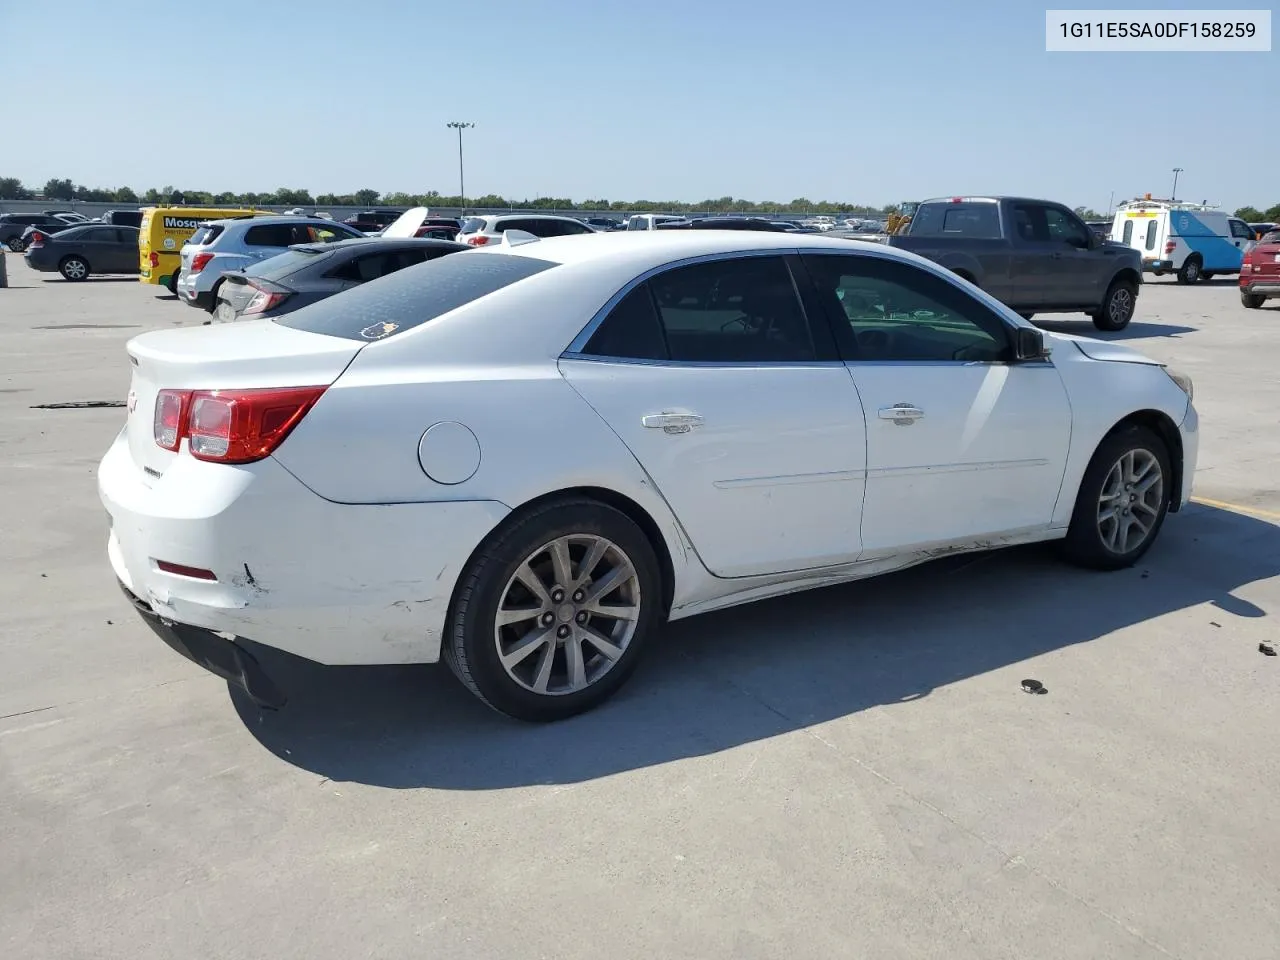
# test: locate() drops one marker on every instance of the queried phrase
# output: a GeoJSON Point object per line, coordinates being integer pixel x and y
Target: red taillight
{"type": "Point", "coordinates": [1170, 246]}
{"type": "Point", "coordinates": [241, 426]}
{"type": "Point", "coordinates": [478, 240]}
{"type": "Point", "coordinates": [1248, 258]}
{"type": "Point", "coordinates": [155, 259]}
{"type": "Point", "coordinates": [170, 418]}
{"type": "Point", "coordinates": [37, 238]}
{"type": "Point", "coordinates": [263, 300]}
{"type": "Point", "coordinates": [182, 570]}
{"type": "Point", "coordinates": [199, 261]}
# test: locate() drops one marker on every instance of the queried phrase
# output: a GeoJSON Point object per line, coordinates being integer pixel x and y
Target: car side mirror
{"type": "Point", "coordinates": [1028, 344]}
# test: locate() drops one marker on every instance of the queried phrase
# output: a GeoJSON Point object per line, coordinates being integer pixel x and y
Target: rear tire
{"type": "Point", "coordinates": [1252, 300]}
{"type": "Point", "coordinates": [1189, 272]}
{"type": "Point", "coordinates": [16, 245]}
{"type": "Point", "coordinates": [1117, 306]}
{"type": "Point", "coordinates": [172, 284]}
{"type": "Point", "coordinates": [564, 655]}
{"type": "Point", "coordinates": [1122, 502]}
{"type": "Point", "coordinates": [1206, 276]}
{"type": "Point", "coordinates": [74, 268]}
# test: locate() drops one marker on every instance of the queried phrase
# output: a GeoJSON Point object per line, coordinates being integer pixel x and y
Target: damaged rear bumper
{"type": "Point", "coordinates": [206, 648]}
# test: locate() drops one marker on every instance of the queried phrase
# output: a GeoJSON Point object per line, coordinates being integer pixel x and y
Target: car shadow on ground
{"type": "Point", "coordinates": [1135, 331]}
{"type": "Point", "coordinates": [718, 681]}
{"type": "Point", "coordinates": [122, 278]}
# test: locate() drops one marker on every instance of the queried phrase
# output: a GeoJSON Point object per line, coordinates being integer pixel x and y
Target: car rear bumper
{"type": "Point", "coordinates": [218, 654]}
{"type": "Point", "coordinates": [335, 583]}
{"type": "Point", "coordinates": [1262, 288]}
{"type": "Point", "coordinates": [1160, 266]}
{"type": "Point", "coordinates": [37, 259]}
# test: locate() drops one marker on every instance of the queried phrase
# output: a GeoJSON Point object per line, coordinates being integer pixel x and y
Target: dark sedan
{"type": "Point", "coordinates": [80, 251]}
{"type": "Point", "coordinates": [308, 272]}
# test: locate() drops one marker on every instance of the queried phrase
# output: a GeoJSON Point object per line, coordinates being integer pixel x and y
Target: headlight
{"type": "Point", "coordinates": [1183, 381]}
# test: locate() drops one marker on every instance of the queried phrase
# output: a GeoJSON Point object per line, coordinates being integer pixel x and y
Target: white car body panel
{"type": "Point", "coordinates": [353, 551]}
{"type": "Point", "coordinates": [985, 460]}
{"type": "Point", "coordinates": [784, 446]}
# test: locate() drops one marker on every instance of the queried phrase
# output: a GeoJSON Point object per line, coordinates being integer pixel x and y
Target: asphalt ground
{"type": "Point", "coordinates": [852, 772]}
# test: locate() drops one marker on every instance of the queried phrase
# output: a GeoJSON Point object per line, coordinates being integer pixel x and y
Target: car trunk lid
{"type": "Point", "coordinates": [1265, 262]}
{"type": "Point", "coordinates": [256, 353]}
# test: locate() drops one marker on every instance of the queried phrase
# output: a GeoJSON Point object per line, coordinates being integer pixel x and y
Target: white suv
{"type": "Point", "coordinates": [478, 231]}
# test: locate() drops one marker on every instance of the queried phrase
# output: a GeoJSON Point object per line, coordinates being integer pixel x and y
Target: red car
{"type": "Point", "coordinates": [1260, 271]}
{"type": "Point", "coordinates": [439, 228]}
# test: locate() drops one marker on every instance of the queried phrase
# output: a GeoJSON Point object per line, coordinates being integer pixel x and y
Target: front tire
{"type": "Point", "coordinates": [1122, 502]}
{"type": "Point", "coordinates": [1189, 272]}
{"type": "Point", "coordinates": [550, 618]}
{"type": "Point", "coordinates": [1117, 306]}
{"type": "Point", "coordinates": [1252, 300]}
{"type": "Point", "coordinates": [74, 269]}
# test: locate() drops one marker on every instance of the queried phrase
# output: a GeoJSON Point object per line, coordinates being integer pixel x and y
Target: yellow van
{"type": "Point", "coordinates": [164, 230]}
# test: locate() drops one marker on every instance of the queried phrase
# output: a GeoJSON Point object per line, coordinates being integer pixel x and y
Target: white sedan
{"type": "Point", "coordinates": [525, 458]}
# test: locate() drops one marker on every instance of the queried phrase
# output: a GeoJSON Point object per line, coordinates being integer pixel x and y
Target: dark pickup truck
{"type": "Point", "coordinates": [1033, 255]}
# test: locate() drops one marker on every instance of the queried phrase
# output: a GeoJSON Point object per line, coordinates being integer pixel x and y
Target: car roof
{"type": "Point", "coordinates": [390, 242]}
{"type": "Point", "coordinates": [272, 218]}
{"type": "Point", "coordinates": [646, 249]}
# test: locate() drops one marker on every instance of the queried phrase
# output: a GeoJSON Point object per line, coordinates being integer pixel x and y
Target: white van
{"type": "Point", "coordinates": [1193, 240]}
{"type": "Point", "coordinates": [650, 221]}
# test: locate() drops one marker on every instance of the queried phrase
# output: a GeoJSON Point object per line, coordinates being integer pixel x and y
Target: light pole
{"type": "Point", "coordinates": [462, 188]}
{"type": "Point", "coordinates": [1176, 171]}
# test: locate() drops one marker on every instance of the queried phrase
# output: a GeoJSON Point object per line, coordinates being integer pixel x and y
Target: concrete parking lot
{"type": "Point", "coordinates": [853, 772]}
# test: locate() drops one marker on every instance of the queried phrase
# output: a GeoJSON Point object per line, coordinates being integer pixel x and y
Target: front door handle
{"type": "Point", "coordinates": [672, 422]}
{"type": "Point", "coordinates": [903, 414]}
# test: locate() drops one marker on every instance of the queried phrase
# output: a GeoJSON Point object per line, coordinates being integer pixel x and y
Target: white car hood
{"type": "Point", "coordinates": [1102, 349]}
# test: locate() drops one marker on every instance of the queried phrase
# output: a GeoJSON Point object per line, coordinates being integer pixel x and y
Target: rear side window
{"type": "Point", "coordinates": [205, 235]}
{"type": "Point", "coordinates": [977, 220]}
{"type": "Point", "coordinates": [409, 298]}
{"type": "Point", "coordinates": [1127, 234]}
{"type": "Point", "coordinates": [631, 331]}
{"type": "Point", "coordinates": [273, 235]}
{"type": "Point", "coordinates": [1151, 235]}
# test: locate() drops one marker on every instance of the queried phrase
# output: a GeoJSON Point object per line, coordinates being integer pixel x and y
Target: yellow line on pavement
{"type": "Point", "coordinates": [1237, 508]}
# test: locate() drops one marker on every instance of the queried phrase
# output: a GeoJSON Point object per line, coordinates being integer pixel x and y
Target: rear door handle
{"type": "Point", "coordinates": [901, 413]}
{"type": "Point", "coordinates": [672, 422]}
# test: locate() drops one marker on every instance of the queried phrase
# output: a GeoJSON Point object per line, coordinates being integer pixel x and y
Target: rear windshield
{"type": "Point", "coordinates": [472, 225]}
{"type": "Point", "coordinates": [978, 220]}
{"type": "Point", "coordinates": [284, 264]}
{"type": "Point", "coordinates": [205, 235]}
{"type": "Point", "coordinates": [412, 296]}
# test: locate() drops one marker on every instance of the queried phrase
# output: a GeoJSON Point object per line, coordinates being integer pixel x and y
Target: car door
{"type": "Point", "coordinates": [963, 445]}
{"type": "Point", "coordinates": [99, 247]}
{"type": "Point", "coordinates": [1083, 266]}
{"type": "Point", "coordinates": [1035, 283]}
{"type": "Point", "coordinates": [737, 407]}
{"type": "Point", "coordinates": [124, 250]}
{"type": "Point", "coordinates": [1241, 235]}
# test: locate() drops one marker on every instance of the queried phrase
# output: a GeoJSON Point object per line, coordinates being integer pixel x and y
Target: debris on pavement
{"type": "Point", "coordinates": [1033, 686]}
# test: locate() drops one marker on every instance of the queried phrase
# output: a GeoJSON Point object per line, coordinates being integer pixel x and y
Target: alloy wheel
{"type": "Point", "coordinates": [1131, 500]}
{"type": "Point", "coordinates": [1121, 306]}
{"type": "Point", "coordinates": [567, 614]}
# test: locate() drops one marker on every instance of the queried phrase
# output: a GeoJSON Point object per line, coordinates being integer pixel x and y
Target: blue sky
{"type": "Point", "coordinates": [858, 100]}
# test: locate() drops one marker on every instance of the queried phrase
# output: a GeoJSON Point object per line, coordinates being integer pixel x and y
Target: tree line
{"type": "Point", "coordinates": [11, 188]}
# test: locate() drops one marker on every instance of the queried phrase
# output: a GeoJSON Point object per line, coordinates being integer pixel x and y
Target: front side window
{"type": "Point", "coordinates": [1240, 230]}
{"type": "Point", "coordinates": [1064, 228]}
{"type": "Point", "coordinates": [883, 310]}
